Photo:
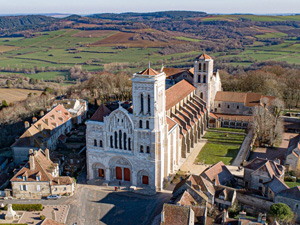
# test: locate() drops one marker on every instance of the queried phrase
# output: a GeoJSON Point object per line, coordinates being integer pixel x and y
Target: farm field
{"type": "Point", "coordinates": [220, 147]}
{"type": "Point", "coordinates": [11, 95]}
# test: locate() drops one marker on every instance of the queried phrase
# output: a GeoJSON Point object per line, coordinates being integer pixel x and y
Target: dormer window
{"type": "Point", "coordinates": [19, 177]}
{"type": "Point", "coordinates": [38, 178]}
{"type": "Point", "coordinates": [24, 178]}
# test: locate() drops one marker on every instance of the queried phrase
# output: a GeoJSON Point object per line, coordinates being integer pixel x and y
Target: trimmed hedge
{"type": "Point", "coordinates": [26, 207]}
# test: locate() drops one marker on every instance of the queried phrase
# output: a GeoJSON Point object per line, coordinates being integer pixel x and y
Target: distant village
{"type": "Point", "coordinates": [149, 146]}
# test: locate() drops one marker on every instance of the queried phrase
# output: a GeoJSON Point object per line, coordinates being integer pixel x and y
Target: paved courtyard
{"type": "Point", "coordinates": [102, 205]}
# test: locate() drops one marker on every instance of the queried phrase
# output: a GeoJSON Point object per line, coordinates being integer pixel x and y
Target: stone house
{"type": "Point", "coordinates": [40, 178]}
{"type": "Point", "coordinates": [292, 158]}
{"type": "Point", "coordinates": [43, 133]}
{"type": "Point", "coordinates": [225, 197]}
{"type": "Point", "coordinates": [259, 171]}
{"type": "Point", "coordinates": [273, 187]}
{"type": "Point", "coordinates": [291, 197]}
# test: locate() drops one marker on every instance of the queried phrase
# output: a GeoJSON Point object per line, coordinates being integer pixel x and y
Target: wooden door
{"type": "Point", "coordinates": [119, 173]}
{"type": "Point", "coordinates": [145, 180]}
{"type": "Point", "coordinates": [126, 174]}
{"type": "Point", "coordinates": [101, 173]}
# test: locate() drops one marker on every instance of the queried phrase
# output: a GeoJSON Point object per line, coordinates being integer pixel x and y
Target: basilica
{"type": "Point", "coordinates": [141, 146]}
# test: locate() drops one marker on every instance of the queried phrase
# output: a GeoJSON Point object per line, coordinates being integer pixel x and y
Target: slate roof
{"type": "Point", "coordinates": [270, 167]}
{"type": "Point", "coordinates": [293, 193]}
{"type": "Point", "coordinates": [276, 185]}
{"type": "Point", "coordinates": [178, 92]}
{"type": "Point", "coordinates": [294, 143]}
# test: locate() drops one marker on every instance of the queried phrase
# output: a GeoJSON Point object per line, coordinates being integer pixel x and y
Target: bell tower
{"type": "Point", "coordinates": [203, 72]}
{"type": "Point", "coordinates": [149, 116]}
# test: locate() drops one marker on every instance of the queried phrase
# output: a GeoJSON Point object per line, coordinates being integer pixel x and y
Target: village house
{"type": "Point", "coordinates": [291, 197]}
{"type": "Point", "coordinates": [43, 133]}
{"type": "Point", "coordinates": [223, 219]}
{"type": "Point", "coordinates": [272, 188]}
{"type": "Point", "coordinates": [77, 107]}
{"type": "Point", "coordinates": [40, 178]}
{"type": "Point", "coordinates": [292, 158]}
{"type": "Point", "coordinates": [259, 171]}
{"type": "Point", "coordinates": [177, 215]}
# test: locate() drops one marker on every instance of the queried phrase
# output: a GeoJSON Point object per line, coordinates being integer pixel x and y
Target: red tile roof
{"type": "Point", "coordinates": [101, 112]}
{"type": "Point", "coordinates": [178, 92]}
{"type": "Point", "coordinates": [48, 221]}
{"type": "Point", "coordinates": [176, 215]}
{"type": "Point", "coordinates": [171, 123]}
{"type": "Point", "coordinates": [149, 71]}
{"type": "Point", "coordinates": [204, 56]}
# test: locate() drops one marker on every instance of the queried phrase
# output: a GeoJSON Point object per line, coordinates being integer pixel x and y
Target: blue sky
{"type": "Point", "coordinates": [117, 6]}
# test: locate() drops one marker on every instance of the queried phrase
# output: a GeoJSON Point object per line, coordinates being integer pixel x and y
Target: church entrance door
{"type": "Point", "coordinates": [101, 173]}
{"type": "Point", "coordinates": [119, 173]}
{"type": "Point", "coordinates": [126, 174]}
{"type": "Point", "coordinates": [145, 180]}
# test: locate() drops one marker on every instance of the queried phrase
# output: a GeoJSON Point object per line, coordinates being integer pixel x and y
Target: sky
{"type": "Point", "coordinates": [118, 6]}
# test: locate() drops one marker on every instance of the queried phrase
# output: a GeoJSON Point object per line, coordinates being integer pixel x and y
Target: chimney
{"type": "Point", "coordinates": [54, 215]}
{"type": "Point", "coordinates": [42, 113]}
{"type": "Point", "coordinates": [26, 124]}
{"type": "Point", "coordinates": [31, 162]}
{"type": "Point", "coordinates": [40, 127]}
{"type": "Point", "coordinates": [34, 119]}
{"type": "Point", "coordinates": [47, 153]}
{"type": "Point", "coordinates": [47, 121]}
{"type": "Point", "coordinates": [35, 152]}
{"type": "Point", "coordinates": [277, 161]}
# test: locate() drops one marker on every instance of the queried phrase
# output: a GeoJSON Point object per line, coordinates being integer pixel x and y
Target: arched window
{"type": "Point", "coordinates": [142, 103]}
{"type": "Point", "coordinates": [111, 141]}
{"type": "Point", "coordinates": [116, 139]}
{"type": "Point", "coordinates": [147, 124]}
{"type": "Point", "coordinates": [148, 149]}
{"type": "Point", "coordinates": [129, 144]}
{"type": "Point", "coordinates": [95, 142]}
{"type": "Point", "coordinates": [200, 66]}
{"type": "Point", "coordinates": [141, 148]}
{"type": "Point", "coordinates": [201, 95]}
{"type": "Point", "coordinates": [141, 124]}
{"type": "Point", "coordinates": [120, 139]}
{"type": "Point", "coordinates": [199, 78]}
{"type": "Point", "coordinates": [125, 140]}
{"type": "Point", "coordinates": [204, 78]}
{"type": "Point", "coordinates": [149, 103]}
{"type": "Point", "coordinates": [101, 143]}
{"type": "Point", "coordinates": [204, 67]}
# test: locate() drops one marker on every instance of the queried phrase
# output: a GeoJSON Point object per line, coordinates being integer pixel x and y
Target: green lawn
{"type": "Point", "coordinates": [229, 130]}
{"type": "Point", "coordinates": [292, 184]}
{"type": "Point", "coordinates": [188, 39]}
{"type": "Point", "coordinates": [220, 147]}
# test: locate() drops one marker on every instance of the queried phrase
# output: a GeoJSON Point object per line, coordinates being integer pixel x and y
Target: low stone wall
{"type": "Point", "coordinates": [244, 151]}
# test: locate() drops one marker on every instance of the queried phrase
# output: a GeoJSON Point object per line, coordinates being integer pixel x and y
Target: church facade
{"type": "Point", "coordinates": [141, 146]}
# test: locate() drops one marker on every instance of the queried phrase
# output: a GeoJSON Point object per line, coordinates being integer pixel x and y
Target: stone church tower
{"type": "Point", "coordinates": [149, 103]}
{"type": "Point", "coordinates": [203, 73]}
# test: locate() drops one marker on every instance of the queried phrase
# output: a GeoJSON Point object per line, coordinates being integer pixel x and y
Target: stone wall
{"type": "Point", "coordinates": [30, 189]}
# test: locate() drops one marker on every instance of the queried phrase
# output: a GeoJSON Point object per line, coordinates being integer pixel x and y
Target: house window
{"type": "Point", "coordinates": [228, 106]}
{"type": "Point", "coordinates": [25, 187]}
{"type": "Point", "coordinates": [147, 124]}
{"type": "Point", "coordinates": [24, 178]}
{"type": "Point", "coordinates": [38, 178]}
{"type": "Point", "coordinates": [260, 181]}
{"type": "Point", "coordinates": [65, 188]}
{"type": "Point", "coordinates": [148, 149]}
{"type": "Point", "coordinates": [141, 124]}
{"type": "Point", "coordinates": [95, 142]}
{"type": "Point", "coordinates": [219, 105]}
{"type": "Point", "coordinates": [38, 187]}
{"type": "Point", "coordinates": [141, 148]}
{"type": "Point", "coordinates": [237, 107]}
{"type": "Point", "coordinates": [260, 188]}
{"type": "Point", "coordinates": [100, 144]}
{"type": "Point", "coordinates": [204, 79]}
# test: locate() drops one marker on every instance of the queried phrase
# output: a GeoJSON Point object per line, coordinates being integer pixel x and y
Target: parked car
{"type": "Point", "coordinates": [53, 197]}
